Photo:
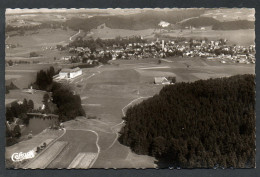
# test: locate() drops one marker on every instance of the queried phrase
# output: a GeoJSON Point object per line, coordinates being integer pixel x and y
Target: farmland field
{"type": "Point", "coordinates": [78, 141]}
{"type": "Point", "coordinates": [82, 160]}
{"type": "Point", "coordinates": [47, 156]}
{"type": "Point", "coordinates": [27, 145]}
{"type": "Point", "coordinates": [37, 97]}
{"type": "Point", "coordinates": [238, 37]}
{"type": "Point", "coordinates": [43, 43]}
{"type": "Point", "coordinates": [114, 86]}
{"type": "Point", "coordinates": [23, 75]}
{"type": "Point", "coordinates": [108, 33]}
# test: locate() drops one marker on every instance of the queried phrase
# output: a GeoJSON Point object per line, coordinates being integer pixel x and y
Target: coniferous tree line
{"type": "Point", "coordinates": [202, 124]}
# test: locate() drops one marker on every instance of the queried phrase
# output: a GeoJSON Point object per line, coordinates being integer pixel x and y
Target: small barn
{"type": "Point", "coordinates": [164, 80]}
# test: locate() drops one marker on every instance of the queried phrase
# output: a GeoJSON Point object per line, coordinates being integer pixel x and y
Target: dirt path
{"type": "Point", "coordinates": [123, 113]}
{"type": "Point", "coordinates": [74, 35]}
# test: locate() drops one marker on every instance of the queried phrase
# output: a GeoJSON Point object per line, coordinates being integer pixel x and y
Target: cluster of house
{"type": "Point", "coordinates": [161, 49]}
{"type": "Point", "coordinates": [10, 46]}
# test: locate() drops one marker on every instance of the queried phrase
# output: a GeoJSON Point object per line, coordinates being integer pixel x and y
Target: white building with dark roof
{"type": "Point", "coordinates": [67, 73]}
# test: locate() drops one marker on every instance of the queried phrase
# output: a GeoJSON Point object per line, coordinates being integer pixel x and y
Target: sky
{"type": "Point", "coordinates": [72, 10]}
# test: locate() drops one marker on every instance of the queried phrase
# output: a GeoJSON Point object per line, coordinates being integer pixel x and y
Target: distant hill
{"type": "Point", "coordinates": [151, 19]}
{"type": "Point", "coordinates": [147, 19]}
{"type": "Point", "coordinates": [199, 22]}
{"type": "Point", "coordinates": [201, 124]}
{"type": "Point", "coordinates": [217, 25]}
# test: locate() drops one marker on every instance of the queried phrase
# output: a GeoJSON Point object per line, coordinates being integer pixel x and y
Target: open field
{"type": "Point", "coordinates": [43, 43]}
{"type": "Point", "coordinates": [78, 141]}
{"type": "Point", "coordinates": [108, 33]}
{"type": "Point", "coordinates": [238, 37]}
{"type": "Point", "coordinates": [37, 97]}
{"type": "Point", "coordinates": [23, 75]}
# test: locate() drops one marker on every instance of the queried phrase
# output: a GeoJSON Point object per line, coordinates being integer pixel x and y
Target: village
{"type": "Point", "coordinates": [210, 50]}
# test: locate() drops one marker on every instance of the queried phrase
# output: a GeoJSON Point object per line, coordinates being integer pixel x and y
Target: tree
{"type": "Point", "coordinates": [38, 149]}
{"type": "Point", "coordinates": [10, 62]}
{"type": "Point", "coordinates": [25, 105]}
{"type": "Point", "coordinates": [158, 146]}
{"type": "Point", "coordinates": [9, 115]}
{"type": "Point", "coordinates": [46, 98]}
{"type": "Point", "coordinates": [15, 108]}
{"type": "Point", "coordinates": [17, 131]}
{"type": "Point", "coordinates": [34, 54]}
{"type": "Point", "coordinates": [30, 105]}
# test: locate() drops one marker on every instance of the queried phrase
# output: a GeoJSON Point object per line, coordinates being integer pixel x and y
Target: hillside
{"type": "Point", "coordinates": [234, 25]}
{"type": "Point", "coordinates": [145, 20]}
{"type": "Point", "coordinates": [201, 124]}
{"type": "Point", "coordinates": [218, 25]}
{"type": "Point", "coordinates": [199, 22]}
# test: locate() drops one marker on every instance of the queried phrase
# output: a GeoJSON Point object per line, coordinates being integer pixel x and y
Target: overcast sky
{"type": "Point", "coordinates": [44, 10]}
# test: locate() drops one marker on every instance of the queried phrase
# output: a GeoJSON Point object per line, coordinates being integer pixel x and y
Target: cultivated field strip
{"type": "Point", "coordinates": [82, 160]}
{"type": "Point", "coordinates": [48, 156]}
{"type": "Point", "coordinates": [47, 141]}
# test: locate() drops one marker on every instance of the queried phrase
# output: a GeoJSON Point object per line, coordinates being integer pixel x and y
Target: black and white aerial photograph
{"type": "Point", "coordinates": [130, 88]}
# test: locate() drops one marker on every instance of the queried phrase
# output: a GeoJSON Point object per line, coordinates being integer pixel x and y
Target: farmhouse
{"type": "Point", "coordinates": [164, 80]}
{"type": "Point", "coordinates": [164, 24]}
{"type": "Point", "coordinates": [66, 73]}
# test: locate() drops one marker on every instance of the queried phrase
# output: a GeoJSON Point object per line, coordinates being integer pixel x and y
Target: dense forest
{"type": "Point", "coordinates": [204, 124]}
{"type": "Point", "coordinates": [200, 22]}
